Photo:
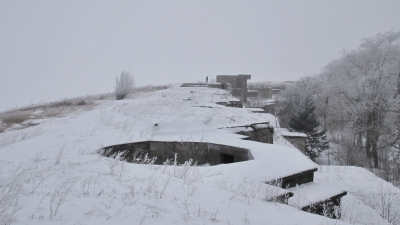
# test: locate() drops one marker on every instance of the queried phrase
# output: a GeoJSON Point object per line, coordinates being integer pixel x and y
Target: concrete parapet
{"type": "Point", "coordinates": [215, 85]}
{"type": "Point", "coordinates": [298, 142]}
{"type": "Point", "coordinates": [200, 152]}
{"type": "Point", "coordinates": [244, 76]}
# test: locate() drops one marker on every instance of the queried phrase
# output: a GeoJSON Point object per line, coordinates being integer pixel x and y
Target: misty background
{"type": "Point", "coordinates": [58, 49]}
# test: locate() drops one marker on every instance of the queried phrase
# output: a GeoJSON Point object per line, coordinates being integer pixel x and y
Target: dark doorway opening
{"type": "Point", "coordinates": [225, 158]}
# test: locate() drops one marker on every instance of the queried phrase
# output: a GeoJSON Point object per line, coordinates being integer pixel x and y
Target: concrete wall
{"type": "Point", "coordinates": [264, 135]}
{"type": "Point", "coordinates": [237, 92]}
{"type": "Point", "coordinates": [211, 85]}
{"type": "Point", "coordinates": [298, 179]}
{"type": "Point", "coordinates": [231, 79]}
{"type": "Point", "coordinates": [198, 151]}
{"type": "Point", "coordinates": [263, 91]}
{"type": "Point", "coordinates": [238, 84]}
{"type": "Point", "coordinates": [252, 94]}
{"type": "Point", "coordinates": [270, 108]}
{"type": "Point", "coordinates": [298, 142]}
{"type": "Point", "coordinates": [327, 207]}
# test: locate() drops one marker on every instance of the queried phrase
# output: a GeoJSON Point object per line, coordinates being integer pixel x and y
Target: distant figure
{"type": "Point", "coordinates": [207, 80]}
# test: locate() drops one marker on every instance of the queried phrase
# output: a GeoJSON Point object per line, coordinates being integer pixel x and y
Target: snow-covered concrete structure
{"type": "Point", "coordinates": [297, 139]}
{"type": "Point", "coordinates": [238, 84]}
{"type": "Point", "coordinates": [247, 146]}
{"type": "Point", "coordinates": [59, 155]}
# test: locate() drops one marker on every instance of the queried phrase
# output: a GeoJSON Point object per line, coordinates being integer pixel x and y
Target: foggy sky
{"type": "Point", "coordinates": [58, 49]}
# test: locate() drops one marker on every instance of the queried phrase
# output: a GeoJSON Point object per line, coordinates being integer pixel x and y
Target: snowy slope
{"type": "Point", "coordinates": [369, 198]}
{"type": "Point", "coordinates": [51, 173]}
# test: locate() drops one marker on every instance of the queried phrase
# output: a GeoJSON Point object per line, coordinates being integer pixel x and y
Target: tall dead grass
{"type": "Point", "coordinates": [14, 118]}
{"type": "Point", "coordinates": [150, 88]}
{"type": "Point", "coordinates": [19, 115]}
{"type": "Point", "coordinates": [17, 118]}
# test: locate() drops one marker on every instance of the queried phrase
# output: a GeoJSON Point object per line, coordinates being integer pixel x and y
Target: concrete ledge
{"type": "Point", "coordinates": [317, 198]}
{"type": "Point", "coordinates": [202, 152]}
{"type": "Point", "coordinates": [244, 76]}
{"type": "Point", "coordinates": [194, 85]}
{"type": "Point", "coordinates": [298, 178]}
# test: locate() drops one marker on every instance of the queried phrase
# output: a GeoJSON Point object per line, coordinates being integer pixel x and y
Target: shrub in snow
{"type": "Point", "coordinates": [305, 120]}
{"type": "Point", "coordinates": [124, 85]}
{"type": "Point", "coordinates": [14, 118]}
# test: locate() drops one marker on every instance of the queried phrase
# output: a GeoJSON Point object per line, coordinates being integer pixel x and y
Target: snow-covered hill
{"type": "Point", "coordinates": [51, 173]}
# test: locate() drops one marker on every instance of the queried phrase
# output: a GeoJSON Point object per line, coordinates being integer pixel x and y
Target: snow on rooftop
{"type": "Point", "coordinates": [270, 161]}
{"type": "Point", "coordinates": [287, 133]}
{"type": "Point", "coordinates": [261, 126]}
{"type": "Point", "coordinates": [310, 193]}
{"type": "Point", "coordinates": [255, 109]}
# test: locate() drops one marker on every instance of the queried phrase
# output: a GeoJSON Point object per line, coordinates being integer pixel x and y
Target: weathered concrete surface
{"type": "Point", "coordinates": [238, 84]}
{"type": "Point", "coordinates": [227, 79]}
{"type": "Point", "coordinates": [261, 132]}
{"type": "Point", "coordinates": [298, 179]}
{"type": "Point", "coordinates": [252, 93]}
{"type": "Point", "coordinates": [201, 152]}
{"type": "Point", "coordinates": [298, 142]}
{"type": "Point", "coordinates": [270, 108]}
{"type": "Point", "coordinates": [327, 207]}
{"type": "Point", "coordinates": [264, 92]}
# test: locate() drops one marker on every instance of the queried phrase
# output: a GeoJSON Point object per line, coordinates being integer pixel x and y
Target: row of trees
{"type": "Point", "coordinates": [357, 100]}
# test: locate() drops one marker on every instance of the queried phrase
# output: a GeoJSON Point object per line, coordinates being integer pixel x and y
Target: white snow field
{"type": "Point", "coordinates": [51, 173]}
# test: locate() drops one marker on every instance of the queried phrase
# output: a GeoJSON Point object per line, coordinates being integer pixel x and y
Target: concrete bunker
{"type": "Point", "coordinates": [238, 84]}
{"type": "Point", "coordinates": [215, 154]}
{"type": "Point", "coordinates": [298, 179]}
{"type": "Point", "coordinates": [327, 207]}
{"type": "Point", "coordinates": [200, 152]}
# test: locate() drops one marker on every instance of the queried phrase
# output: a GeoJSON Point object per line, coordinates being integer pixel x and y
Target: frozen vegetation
{"type": "Point", "coordinates": [356, 100]}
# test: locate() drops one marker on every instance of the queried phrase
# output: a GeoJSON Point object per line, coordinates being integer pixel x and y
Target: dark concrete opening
{"type": "Point", "coordinates": [226, 158]}
{"type": "Point", "coordinates": [200, 152]}
{"type": "Point", "coordinates": [298, 179]}
{"type": "Point", "coordinates": [328, 208]}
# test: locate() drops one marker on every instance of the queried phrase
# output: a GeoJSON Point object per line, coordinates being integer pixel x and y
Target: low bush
{"type": "Point", "coordinates": [123, 85]}
{"type": "Point", "coordinates": [14, 118]}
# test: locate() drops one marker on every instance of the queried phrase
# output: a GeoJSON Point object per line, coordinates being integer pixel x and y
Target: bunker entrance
{"type": "Point", "coordinates": [226, 158]}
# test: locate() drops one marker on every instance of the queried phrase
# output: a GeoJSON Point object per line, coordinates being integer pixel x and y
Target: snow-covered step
{"type": "Point", "coordinates": [317, 198]}
{"type": "Point", "coordinates": [299, 178]}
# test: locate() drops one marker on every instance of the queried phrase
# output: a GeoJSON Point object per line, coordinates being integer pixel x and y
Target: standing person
{"type": "Point", "coordinates": [207, 80]}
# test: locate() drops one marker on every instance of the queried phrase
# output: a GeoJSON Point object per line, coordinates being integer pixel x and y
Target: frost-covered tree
{"type": "Point", "coordinates": [304, 120]}
{"type": "Point", "coordinates": [124, 85]}
{"type": "Point", "coordinates": [288, 101]}
{"type": "Point", "coordinates": [364, 84]}
{"type": "Point", "coordinates": [357, 100]}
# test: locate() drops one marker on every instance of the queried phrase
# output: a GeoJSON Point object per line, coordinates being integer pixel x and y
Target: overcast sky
{"type": "Point", "coordinates": [58, 49]}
